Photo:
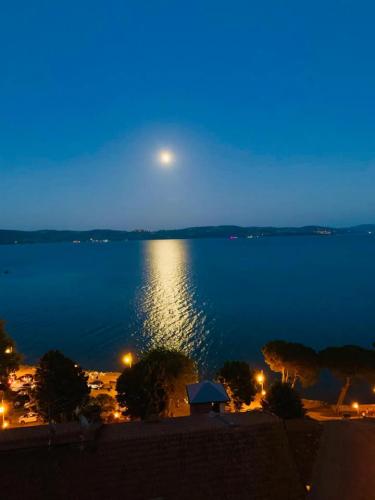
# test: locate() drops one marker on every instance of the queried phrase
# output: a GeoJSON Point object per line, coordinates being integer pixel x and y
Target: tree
{"type": "Point", "coordinates": [9, 357]}
{"type": "Point", "coordinates": [61, 387]}
{"type": "Point", "coordinates": [293, 360]}
{"type": "Point", "coordinates": [348, 363]}
{"type": "Point", "coordinates": [156, 384]}
{"type": "Point", "coordinates": [99, 408]}
{"type": "Point", "coordinates": [283, 401]}
{"type": "Point", "coordinates": [238, 379]}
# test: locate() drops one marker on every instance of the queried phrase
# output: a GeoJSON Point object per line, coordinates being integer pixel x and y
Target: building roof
{"type": "Point", "coordinates": [206, 392]}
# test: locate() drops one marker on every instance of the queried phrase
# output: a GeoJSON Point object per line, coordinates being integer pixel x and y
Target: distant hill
{"type": "Point", "coordinates": [8, 237]}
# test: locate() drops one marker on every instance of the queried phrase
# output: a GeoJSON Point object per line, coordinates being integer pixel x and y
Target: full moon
{"type": "Point", "coordinates": [166, 157]}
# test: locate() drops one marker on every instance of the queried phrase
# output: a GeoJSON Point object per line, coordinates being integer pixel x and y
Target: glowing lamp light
{"type": "Point", "coordinates": [127, 359]}
{"type": "Point", "coordinates": [263, 393]}
{"type": "Point", "coordinates": [260, 378]}
{"type": "Point", "coordinates": [116, 414]}
{"type": "Point", "coordinates": [5, 424]}
{"type": "Point", "coordinates": [2, 409]}
{"type": "Point", "coordinates": [8, 350]}
{"type": "Point", "coordinates": [355, 406]}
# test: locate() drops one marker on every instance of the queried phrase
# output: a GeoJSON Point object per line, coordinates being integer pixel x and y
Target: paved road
{"type": "Point", "coordinates": [345, 465]}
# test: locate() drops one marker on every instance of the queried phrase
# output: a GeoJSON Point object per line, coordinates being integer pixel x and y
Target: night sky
{"type": "Point", "coordinates": [267, 106]}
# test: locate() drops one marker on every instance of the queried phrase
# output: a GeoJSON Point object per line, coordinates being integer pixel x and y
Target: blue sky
{"type": "Point", "coordinates": [268, 106]}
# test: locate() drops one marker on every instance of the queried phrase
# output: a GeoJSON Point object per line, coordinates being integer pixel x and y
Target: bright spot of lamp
{"type": "Point", "coordinates": [166, 157]}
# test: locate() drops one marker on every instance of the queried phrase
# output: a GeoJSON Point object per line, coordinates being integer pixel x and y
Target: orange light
{"type": "Point", "coordinates": [8, 350]}
{"type": "Point", "coordinates": [260, 378]}
{"type": "Point", "coordinates": [263, 393]}
{"type": "Point", "coordinates": [2, 409]}
{"type": "Point", "coordinates": [355, 406]}
{"type": "Point", "coordinates": [5, 424]}
{"type": "Point", "coordinates": [127, 359]}
{"type": "Point", "coordinates": [116, 414]}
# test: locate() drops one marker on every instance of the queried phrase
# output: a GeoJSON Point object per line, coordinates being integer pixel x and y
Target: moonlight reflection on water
{"type": "Point", "coordinates": [171, 315]}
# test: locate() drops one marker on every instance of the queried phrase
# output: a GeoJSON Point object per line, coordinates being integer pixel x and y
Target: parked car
{"type": "Point", "coordinates": [95, 384]}
{"type": "Point", "coordinates": [21, 400]}
{"type": "Point", "coordinates": [16, 385]}
{"type": "Point", "coordinates": [28, 378]}
{"type": "Point", "coordinates": [29, 417]}
{"type": "Point", "coordinates": [21, 386]}
{"type": "Point", "coordinates": [23, 392]}
{"type": "Point", "coordinates": [30, 406]}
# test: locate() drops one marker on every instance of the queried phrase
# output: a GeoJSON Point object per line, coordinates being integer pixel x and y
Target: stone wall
{"type": "Point", "coordinates": [226, 457]}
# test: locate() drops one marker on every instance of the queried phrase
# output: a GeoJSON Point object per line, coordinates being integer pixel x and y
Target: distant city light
{"type": "Point", "coordinates": [166, 157]}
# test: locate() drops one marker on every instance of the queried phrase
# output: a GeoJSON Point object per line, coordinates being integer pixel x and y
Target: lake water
{"type": "Point", "coordinates": [216, 299]}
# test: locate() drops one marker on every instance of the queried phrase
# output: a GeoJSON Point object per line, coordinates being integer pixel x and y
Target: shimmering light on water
{"type": "Point", "coordinates": [171, 317]}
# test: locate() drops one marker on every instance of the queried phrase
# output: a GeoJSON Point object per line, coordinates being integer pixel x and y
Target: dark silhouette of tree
{"type": "Point", "coordinates": [283, 401]}
{"type": "Point", "coordinates": [156, 384]}
{"type": "Point", "coordinates": [348, 363]}
{"type": "Point", "coordinates": [99, 408]}
{"type": "Point", "coordinates": [61, 387]}
{"type": "Point", "coordinates": [293, 360]}
{"type": "Point", "coordinates": [238, 379]}
{"type": "Point", "coordinates": [9, 357]}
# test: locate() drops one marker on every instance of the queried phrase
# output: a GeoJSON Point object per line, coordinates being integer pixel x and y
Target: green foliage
{"type": "Point", "coordinates": [156, 384]}
{"type": "Point", "coordinates": [283, 401]}
{"type": "Point", "coordinates": [106, 402]}
{"type": "Point", "coordinates": [293, 360]}
{"type": "Point", "coordinates": [238, 379]}
{"type": "Point", "coordinates": [61, 387]}
{"type": "Point", "coordinates": [99, 408]}
{"type": "Point", "coordinates": [349, 362]}
{"type": "Point", "coordinates": [9, 357]}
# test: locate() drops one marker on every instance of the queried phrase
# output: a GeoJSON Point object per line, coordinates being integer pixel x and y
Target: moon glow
{"type": "Point", "coordinates": [166, 157]}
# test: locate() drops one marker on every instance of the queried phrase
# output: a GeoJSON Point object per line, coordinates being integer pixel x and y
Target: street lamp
{"type": "Point", "coordinates": [2, 413]}
{"type": "Point", "coordinates": [260, 379]}
{"type": "Point", "coordinates": [127, 359]}
{"type": "Point", "coordinates": [355, 406]}
{"type": "Point", "coordinates": [9, 350]}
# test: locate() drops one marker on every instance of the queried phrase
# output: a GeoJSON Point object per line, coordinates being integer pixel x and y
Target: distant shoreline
{"type": "Point", "coordinates": [12, 237]}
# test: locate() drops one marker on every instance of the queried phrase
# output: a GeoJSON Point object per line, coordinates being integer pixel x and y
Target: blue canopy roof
{"type": "Point", "coordinates": [206, 392]}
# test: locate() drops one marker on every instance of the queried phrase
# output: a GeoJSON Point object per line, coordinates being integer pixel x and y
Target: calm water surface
{"type": "Point", "coordinates": [216, 299]}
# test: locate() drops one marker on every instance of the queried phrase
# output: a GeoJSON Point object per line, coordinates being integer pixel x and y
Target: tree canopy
{"type": "Point", "coordinates": [283, 401]}
{"type": "Point", "coordinates": [61, 387]}
{"type": "Point", "coordinates": [238, 379]}
{"type": "Point", "coordinates": [9, 357]}
{"type": "Point", "coordinates": [348, 362]}
{"type": "Point", "coordinates": [293, 360]}
{"type": "Point", "coordinates": [156, 384]}
{"type": "Point", "coordinates": [99, 408]}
